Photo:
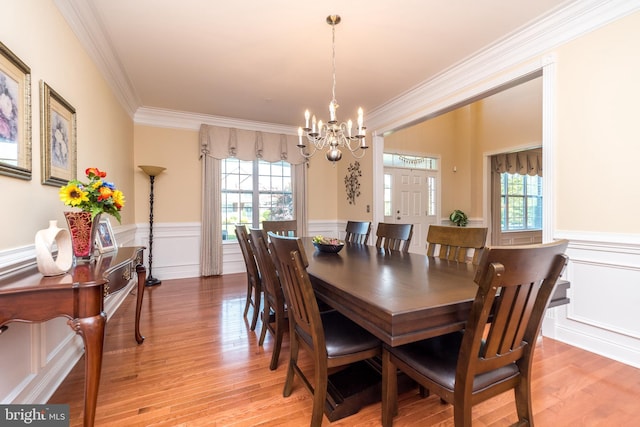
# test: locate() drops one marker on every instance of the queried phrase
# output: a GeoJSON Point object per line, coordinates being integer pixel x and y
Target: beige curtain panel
{"type": "Point", "coordinates": [217, 143]}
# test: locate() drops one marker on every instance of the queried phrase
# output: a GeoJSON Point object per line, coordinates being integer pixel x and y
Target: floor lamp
{"type": "Point", "coordinates": [152, 171]}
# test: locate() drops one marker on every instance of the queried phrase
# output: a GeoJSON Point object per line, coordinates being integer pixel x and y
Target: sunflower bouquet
{"type": "Point", "coordinates": [96, 196]}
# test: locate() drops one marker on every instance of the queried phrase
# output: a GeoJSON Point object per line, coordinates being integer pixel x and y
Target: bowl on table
{"type": "Point", "coordinates": [332, 246]}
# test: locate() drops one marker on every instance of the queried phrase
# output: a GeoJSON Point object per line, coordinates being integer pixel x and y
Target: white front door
{"type": "Point", "coordinates": [413, 199]}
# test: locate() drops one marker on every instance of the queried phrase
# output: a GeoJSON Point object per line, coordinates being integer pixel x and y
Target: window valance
{"type": "Point", "coordinates": [218, 143]}
{"type": "Point", "coordinates": [522, 162]}
{"type": "Point", "coordinates": [222, 142]}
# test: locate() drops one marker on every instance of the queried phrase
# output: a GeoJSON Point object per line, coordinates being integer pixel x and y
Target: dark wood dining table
{"type": "Point", "coordinates": [398, 297]}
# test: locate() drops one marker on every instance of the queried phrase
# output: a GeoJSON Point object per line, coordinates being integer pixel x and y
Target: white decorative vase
{"type": "Point", "coordinates": [44, 241]}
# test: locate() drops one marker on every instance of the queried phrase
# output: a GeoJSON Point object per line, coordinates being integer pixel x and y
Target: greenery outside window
{"type": "Point", "coordinates": [254, 191]}
{"type": "Point", "coordinates": [520, 202]}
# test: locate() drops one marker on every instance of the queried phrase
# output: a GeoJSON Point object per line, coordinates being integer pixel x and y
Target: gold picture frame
{"type": "Point", "coordinates": [15, 116]}
{"type": "Point", "coordinates": [58, 137]}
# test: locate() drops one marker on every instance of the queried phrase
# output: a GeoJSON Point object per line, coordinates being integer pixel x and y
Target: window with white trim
{"type": "Point", "coordinates": [254, 191]}
{"type": "Point", "coordinates": [520, 202]}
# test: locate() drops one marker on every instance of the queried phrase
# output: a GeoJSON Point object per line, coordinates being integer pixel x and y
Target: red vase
{"type": "Point", "coordinates": [83, 234]}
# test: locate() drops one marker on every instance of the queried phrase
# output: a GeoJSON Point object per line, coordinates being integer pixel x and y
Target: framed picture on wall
{"type": "Point", "coordinates": [58, 137]}
{"type": "Point", "coordinates": [15, 116]}
{"type": "Point", "coordinates": [105, 240]}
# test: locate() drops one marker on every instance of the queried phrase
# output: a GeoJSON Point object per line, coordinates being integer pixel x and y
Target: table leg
{"type": "Point", "coordinates": [389, 390]}
{"type": "Point", "coordinates": [92, 331]}
{"type": "Point", "coordinates": [142, 274]}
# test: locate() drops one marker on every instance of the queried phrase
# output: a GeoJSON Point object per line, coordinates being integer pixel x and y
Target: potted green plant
{"type": "Point", "coordinates": [459, 218]}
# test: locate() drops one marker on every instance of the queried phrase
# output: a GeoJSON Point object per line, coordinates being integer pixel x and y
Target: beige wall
{"type": "Point", "coordinates": [597, 139]}
{"type": "Point", "coordinates": [322, 188]}
{"type": "Point", "coordinates": [36, 32]}
{"type": "Point", "coordinates": [435, 137]}
{"type": "Point", "coordinates": [597, 135]}
{"type": "Point", "coordinates": [512, 118]}
{"type": "Point", "coordinates": [358, 210]}
{"type": "Point", "coordinates": [177, 190]}
{"type": "Point", "coordinates": [509, 120]}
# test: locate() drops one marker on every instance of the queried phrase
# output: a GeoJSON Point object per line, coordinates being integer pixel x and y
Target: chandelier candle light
{"type": "Point", "coordinates": [333, 135]}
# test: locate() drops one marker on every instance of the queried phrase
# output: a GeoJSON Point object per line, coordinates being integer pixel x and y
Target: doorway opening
{"type": "Point", "coordinates": [411, 194]}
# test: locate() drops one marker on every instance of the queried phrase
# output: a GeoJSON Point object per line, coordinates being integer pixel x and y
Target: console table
{"type": "Point", "coordinates": [27, 296]}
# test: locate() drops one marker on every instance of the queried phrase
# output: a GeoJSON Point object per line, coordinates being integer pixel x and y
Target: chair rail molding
{"type": "Point", "coordinates": [603, 322]}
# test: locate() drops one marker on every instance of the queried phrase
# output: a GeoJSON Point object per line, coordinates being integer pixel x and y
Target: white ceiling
{"type": "Point", "coordinates": [266, 61]}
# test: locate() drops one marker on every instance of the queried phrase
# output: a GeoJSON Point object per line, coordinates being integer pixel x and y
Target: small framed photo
{"type": "Point", "coordinates": [58, 137]}
{"type": "Point", "coordinates": [105, 240]}
{"type": "Point", "coordinates": [15, 116]}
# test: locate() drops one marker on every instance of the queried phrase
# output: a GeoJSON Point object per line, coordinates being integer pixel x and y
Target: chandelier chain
{"type": "Point", "coordinates": [333, 53]}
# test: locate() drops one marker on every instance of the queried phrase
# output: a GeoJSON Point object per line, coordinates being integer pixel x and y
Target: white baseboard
{"type": "Point", "coordinates": [610, 348]}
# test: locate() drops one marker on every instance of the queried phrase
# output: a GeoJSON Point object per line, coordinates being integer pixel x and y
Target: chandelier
{"type": "Point", "coordinates": [333, 135]}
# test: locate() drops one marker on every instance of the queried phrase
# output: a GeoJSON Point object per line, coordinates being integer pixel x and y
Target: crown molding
{"type": "Point", "coordinates": [163, 118]}
{"type": "Point", "coordinates": [473, 75]}
{"type": "Point", "coordinates": [88, 28]}
{"type": "Point", "coordinates": [477, 73]}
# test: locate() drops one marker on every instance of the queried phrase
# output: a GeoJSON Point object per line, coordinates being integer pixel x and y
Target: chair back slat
{"type": "Point", "coordinates": [247, 252]}
{"type": "Point", "coordinates": [281, 227]}
{"type": "Point", "coordinates": [274, 309]}
{"type": "Point", "coordinates": [299, 295]}
{"type": "Point", "coordinates": [357, 232]}
{"type": "Point", "coordinates": [515, 285]}
{"type": "Point", "coordinates": [270, 280]}
{"type": "Point", "coordinates": [254, 281]}
{"type": "Point", "coordinates": [454, 243]}
{"type": "Point", "coordinates": [395, 237]}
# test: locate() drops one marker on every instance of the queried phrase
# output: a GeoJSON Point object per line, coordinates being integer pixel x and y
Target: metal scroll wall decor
{"type": "Point", "coordinates": [351, 182]}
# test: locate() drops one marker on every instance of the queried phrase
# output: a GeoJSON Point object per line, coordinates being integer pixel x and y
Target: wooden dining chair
{"type": "Point", "coordinates": [495, 351]}
{"type": "Point", "coordinates": [274, 316]}
{"type": "Point", "coordinates": [332, 340]}
{"type": "Point", "coordinates": [357, 232]}
{"type": "Point", "coordinates": [254, 283]}
{"type": "Point", "coordinates": [281, 227]}
{"type": "Point", "coordinates": [394, 236]}
{"type": "Point", "coordinates": [456, 243]}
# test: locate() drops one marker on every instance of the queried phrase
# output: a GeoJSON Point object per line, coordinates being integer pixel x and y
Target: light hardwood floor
{"type": "Point", "coordinates": [200, 365]}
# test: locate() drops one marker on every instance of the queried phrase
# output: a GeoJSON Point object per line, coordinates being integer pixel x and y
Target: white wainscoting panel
{"type": "Point", "coordinates": [328, 228]}
{"type": "Point", "coordinates": [176, 249]}
{"type": "Point", "coordinates": [605, 296]}
{"type": "Point", "coordinates": [42, 354]}
{"type": "Point", "coordinates": [233, 262]}
{"type": "Point", "coordinates": [15, 369]}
